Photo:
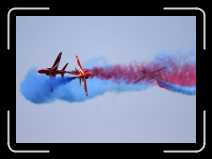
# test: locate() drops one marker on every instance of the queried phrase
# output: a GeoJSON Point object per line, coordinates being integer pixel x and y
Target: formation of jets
{"type": "Point", "coordinates": [82, 73]}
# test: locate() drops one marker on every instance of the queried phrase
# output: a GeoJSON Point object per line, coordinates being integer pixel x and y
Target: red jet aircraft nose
{"type": "Point", "coordinates": [40, 71]}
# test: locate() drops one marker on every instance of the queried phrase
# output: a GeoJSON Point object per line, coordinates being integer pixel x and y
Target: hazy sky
{"type": "Point", "coordinates": [152, 115]}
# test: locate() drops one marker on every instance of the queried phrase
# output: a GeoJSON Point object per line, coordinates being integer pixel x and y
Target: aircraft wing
{"type": "Point", "coordinates": [57, 61]}
{"type": "Point", "coordinates": [85, 87]}
{"type": "Point", "coordinates": [78, 62]}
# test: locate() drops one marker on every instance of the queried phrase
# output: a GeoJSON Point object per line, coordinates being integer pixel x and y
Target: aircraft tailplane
{"type": "Point", "coordinates": [65, 67]}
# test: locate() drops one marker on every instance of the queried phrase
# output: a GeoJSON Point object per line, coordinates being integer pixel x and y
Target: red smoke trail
{"type": "Point", "coordinates": [184, 75]}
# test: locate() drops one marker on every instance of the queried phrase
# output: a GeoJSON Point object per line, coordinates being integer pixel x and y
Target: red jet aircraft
{"type": "Point", "coordinates": [82, 74]}
{"type": "Point", "coordinates": [53, 71]}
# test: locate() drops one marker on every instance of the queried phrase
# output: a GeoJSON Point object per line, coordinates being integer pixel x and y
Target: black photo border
{"type": "Point", "coordinates": [52, 149]}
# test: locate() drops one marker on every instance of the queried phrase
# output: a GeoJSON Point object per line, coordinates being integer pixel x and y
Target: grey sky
{"type": "Point", "coordinates": [152, 115]}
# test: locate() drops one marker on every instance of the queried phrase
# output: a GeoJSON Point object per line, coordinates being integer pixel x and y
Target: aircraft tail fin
{"type": "Point", "coordinates": [63, 70]}
{"type": "Point", "coordinates": [65, 67]}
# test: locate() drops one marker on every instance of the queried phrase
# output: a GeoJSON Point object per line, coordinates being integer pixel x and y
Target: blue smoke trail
{"type": "Point", "coordinates": [43, 89]}
{"type": "Point", "coordinates": [39, 89]}
{"type": "Point", "coordinates": [177, 88]}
